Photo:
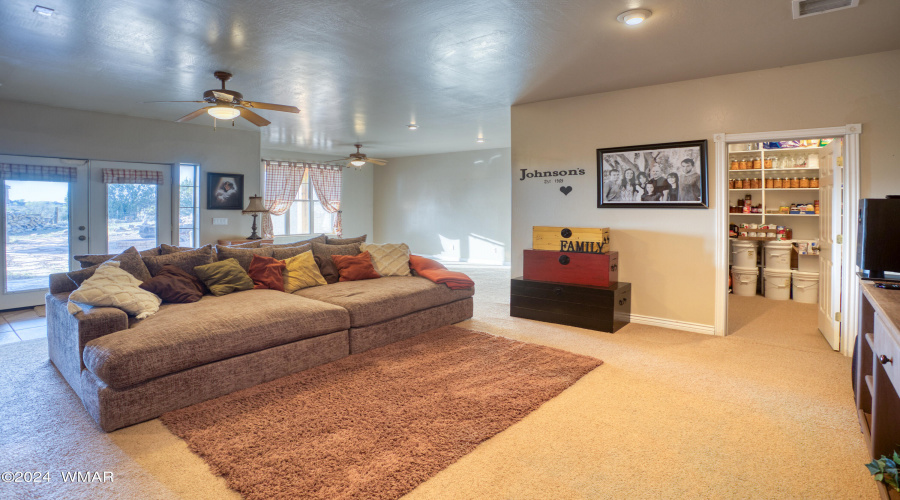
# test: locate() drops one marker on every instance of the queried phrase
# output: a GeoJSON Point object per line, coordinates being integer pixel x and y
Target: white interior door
{"type": "Point", "coordinates": [44, 223]}
{"type": "Point", "coordinates": [830, 212]}
{"type": "Point", "coordinates": [125, 214]}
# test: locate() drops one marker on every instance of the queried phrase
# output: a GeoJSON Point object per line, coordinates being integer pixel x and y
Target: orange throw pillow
{"type": "Point", "coordinates": [355, 267]}
{"type": "Point", "coordinates": [266, 272]}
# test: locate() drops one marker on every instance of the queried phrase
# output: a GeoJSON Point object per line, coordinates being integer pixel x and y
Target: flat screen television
{"type": "Point", "coordinates": [878, 252]}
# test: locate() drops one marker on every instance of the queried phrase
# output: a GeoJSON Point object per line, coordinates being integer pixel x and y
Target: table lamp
{"type": "Point", "coordinates": [254, 208]}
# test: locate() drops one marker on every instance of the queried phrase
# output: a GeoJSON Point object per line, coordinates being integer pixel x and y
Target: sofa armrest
{"type": "Point", "coordinates": [61, 283]}
{"type": "Point", "coordinates": [67, 334]}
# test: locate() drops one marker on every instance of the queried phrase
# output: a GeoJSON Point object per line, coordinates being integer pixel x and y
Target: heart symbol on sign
{"type": "Point", "coordinates": [566, 190]}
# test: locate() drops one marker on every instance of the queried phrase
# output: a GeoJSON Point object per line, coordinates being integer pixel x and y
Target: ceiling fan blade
{"type": "Point", "coordinates": [148, 102]}
{"type": "Point", "coordinates": [254, 118]}
{"type": "Point", "coordinates": [376, 161]}
{"type": "Point", "coordinates": [191, 116]}
{"type": "Point", "coordinates": [273, 107]}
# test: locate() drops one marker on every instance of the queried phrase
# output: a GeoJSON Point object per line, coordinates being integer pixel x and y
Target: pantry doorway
{"type": "Point", "coordinates": [778, 256]}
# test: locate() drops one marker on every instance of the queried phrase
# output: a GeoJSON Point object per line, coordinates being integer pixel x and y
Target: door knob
{"type": "Point", "coordinates": [82, 238]}
{"type": "Point", "coordinates": [885, 360]}
{"type": "Point", "coordinates": [81, 228]}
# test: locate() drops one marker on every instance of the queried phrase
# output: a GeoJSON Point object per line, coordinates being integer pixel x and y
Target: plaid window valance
{"type": "Point", "coordinates": [124, 176]}
{"type": "Point", "coordinates": [18, 172]}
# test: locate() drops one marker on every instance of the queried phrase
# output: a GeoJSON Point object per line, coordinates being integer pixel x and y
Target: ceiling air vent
{"type": "Point", "coordinates": [806, 8]}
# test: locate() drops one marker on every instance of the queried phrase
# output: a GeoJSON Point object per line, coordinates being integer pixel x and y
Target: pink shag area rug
{"type": "Point", "coordinates": [375, 425]}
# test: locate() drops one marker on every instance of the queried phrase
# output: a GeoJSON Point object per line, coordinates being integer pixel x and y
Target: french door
{"type": "Point", "coordinates": [45, 223]}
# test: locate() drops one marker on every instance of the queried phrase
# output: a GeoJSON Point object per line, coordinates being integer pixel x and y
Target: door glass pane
{"type": "Point", "coordinates": [131, 216]}
{"type": "Point", "coordinates": [37, 233]}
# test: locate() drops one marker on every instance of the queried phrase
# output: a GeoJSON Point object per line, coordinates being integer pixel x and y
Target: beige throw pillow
{"type": "Point", "coordinates": [110, 286]}
{"type": "Point", "coordinates": [389, 259]}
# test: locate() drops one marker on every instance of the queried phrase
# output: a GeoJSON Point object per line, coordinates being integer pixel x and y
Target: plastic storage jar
{"type": "Point", "coordinates": [778, 284]}
{"type": "Point", "coordinates": [743, 280]}
{"type": "Point", "coordinates": [778, 255]}
{"type": "Point", "coordinates": [806, 287]}
{"type": "Point", "coordinates": [743, 253]}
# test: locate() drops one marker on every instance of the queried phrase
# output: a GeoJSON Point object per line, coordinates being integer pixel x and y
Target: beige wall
{"type": "Point", "coordinates": [668, 254]}
{"type": "Point", "coordinates": [455, 206]}
{"type": "Point", "coordinates": [356, 191]}
{"type": "Point", "coordinates": [34, 130]}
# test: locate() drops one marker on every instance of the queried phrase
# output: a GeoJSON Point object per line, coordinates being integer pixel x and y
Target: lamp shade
{"type": "Point", "coordinates": [255, 206]}
{"type": "Point", "coordinates": [223, 112]}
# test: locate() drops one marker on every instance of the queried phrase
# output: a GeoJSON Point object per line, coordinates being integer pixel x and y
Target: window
{"type": "Point", "coordinates": [306, 215]}
{"type": "Point", "coordinates": [188, 204]}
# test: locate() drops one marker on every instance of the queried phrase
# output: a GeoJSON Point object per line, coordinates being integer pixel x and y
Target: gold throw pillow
{"type": "Point", "coordinates": [301, 272]}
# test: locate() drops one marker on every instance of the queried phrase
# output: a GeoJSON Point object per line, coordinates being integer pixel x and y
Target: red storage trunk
{"type": "Point", "coordinates": [574, 268]}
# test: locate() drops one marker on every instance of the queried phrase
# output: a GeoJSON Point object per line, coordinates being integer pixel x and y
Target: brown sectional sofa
{"type": "Point", "coordinates": [127, 371]}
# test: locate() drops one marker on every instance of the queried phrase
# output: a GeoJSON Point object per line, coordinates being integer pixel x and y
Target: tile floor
{"type": "Point", "coordinates": [17, 325]}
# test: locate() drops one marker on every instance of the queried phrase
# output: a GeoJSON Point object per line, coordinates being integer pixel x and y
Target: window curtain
{"type": "Point", "coordinates": [283, 180]}
{"type": "Point", "coordinates": [126, 176]}
{"type": "Point", "coordinates": [326, 179]}
{"type": "Point", "coordinates": [18, 172]}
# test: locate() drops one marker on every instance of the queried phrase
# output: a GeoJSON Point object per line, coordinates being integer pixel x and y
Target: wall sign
{"type": "Point", "coordinates": [552, 177]}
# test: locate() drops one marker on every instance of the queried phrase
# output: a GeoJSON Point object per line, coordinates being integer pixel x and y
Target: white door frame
{"type": "Point", "coordinates": [850, 202]}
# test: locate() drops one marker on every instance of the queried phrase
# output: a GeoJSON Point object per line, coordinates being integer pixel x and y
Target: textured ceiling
{"type": "Point", "coordinates": [362, 70]}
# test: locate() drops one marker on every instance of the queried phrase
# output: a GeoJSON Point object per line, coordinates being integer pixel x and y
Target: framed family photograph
{"type": "Point", "coordinates": [669, 175]}
{"type": "Point", "coordinates": [224, 191]}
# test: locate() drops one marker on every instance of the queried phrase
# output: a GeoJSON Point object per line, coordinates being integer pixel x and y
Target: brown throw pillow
{"type": "Point", "coordinates": [355, 267]}
{"type": "Point", "coordinates": [129, 260]}
{"type": "Point", "coordinates": [329, 272]}
{"type": "Point", "coordinates": [267, 272]}
{"type": "Point", "coordinates": [89, 260]}
{"type": "Point", "coordinates": [242, 255]}
{"type": "Point", "coordinates": [175, 285]}
{"type": "Point", "coordinates": [345, 241]}
{"type": "Point", "coordinates": [317, 239]}
{"type": "Point", "coordinates": [186, 260]}
{"type": "Point", "coordinates": [169, 249]}
{"type": "Point", "coordinates": [287, 253]}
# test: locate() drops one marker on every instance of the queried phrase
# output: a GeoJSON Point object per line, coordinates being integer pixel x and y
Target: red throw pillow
{"type": "Point", "coordinates": [267, 272]}
{"type": "Point", "coordinates": [355, 267]}
{"type": "Point", "coordinates": [174, 284]}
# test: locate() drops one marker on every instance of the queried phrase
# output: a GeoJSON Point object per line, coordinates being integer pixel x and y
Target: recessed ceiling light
{"type": "Point", "coordinates": [44, 11]}
{"type": "Point", "coordinates": [412, 126]}
{"type": "Point", "coordinates": [632, 17]}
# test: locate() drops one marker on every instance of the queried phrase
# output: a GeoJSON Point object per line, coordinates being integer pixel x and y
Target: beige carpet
{"type": "Point", "coordinates": [377, 424]}
{"type": "Point", "coordinates": [669, 415]}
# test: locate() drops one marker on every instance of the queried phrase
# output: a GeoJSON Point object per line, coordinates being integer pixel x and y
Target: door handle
{"type": "Point", "coordinates": [81, 228]}
{"type": "Point", "coordinates": [82, 238]}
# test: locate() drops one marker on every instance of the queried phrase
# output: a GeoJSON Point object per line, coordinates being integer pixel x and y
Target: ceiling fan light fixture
{"type": "Point", "coordinates": [633, 17]}
{"type": "Point", "coordinates": [412, 126]}
{"type": "Point", "coordinates": [358, 163]}
{"type": "Point", "coordinates": [223, 112]}
{"type": "Point", "coordinates": [479, 140]}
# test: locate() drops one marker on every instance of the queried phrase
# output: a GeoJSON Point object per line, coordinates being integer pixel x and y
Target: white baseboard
{"type": "Point", "coordinates": [673, 324]}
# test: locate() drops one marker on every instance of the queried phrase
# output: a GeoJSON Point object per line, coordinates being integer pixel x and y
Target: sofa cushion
{"type": "Point", "coordinates": [329, 272]}
{"type": "Point", "coordinates": [94, 259]}
{"type": "Point", "coordinates": [182, 336]}
{"type": "Point", "coordinates": [355, 267]}
{"type": "Point", "coordinates": [389, 259]}
{"type": "Point", "coordinates": [186, 260]}
{"type": "Point", "coordinates": [130, 261]}
{"type": "Point", "coordinates": [301, 272]}
{"type": "Point", "coordinates": [318, 239]}
{"type": "Point", "coordinates": [111, 286]}
{"type": "Point", "coordinates": [243, 256]}
{"type": "Point", "coordinates": [345, 241]}
{"type": "Point", "coordinates": [224, 277]}
{"type": "Point", "coordinates": [288, 252]}
{"type": "Point", "coordinates": [247, 244]}
{"type": "Point", "coordinates": [267, 272]}
{"type": "Point", "coordinates": [169, 249]}
{"type": "Point", "coordinates": [374, 301]}
{"type": "Point", "coordinates": [174, 285]}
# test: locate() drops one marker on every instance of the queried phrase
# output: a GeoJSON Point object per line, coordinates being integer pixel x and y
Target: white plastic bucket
{"type": "Point", "coordinates": [778, 255]}
{"type": "Point", "coordinates": [743, 280]}
{"type": "Point", "coordinates": [806, 287]}
{"type": "Point", "coordinates": [743, 253]}
{"type": "Point", "coordinates": [778, 284]}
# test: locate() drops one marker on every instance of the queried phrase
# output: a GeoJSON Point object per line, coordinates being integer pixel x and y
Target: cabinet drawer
{"type": "Point", "coordinates": [886, 348]}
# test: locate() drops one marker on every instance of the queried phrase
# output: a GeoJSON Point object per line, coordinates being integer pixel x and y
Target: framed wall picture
{"type": "Point", "coordinates": [669, 175]}
{"type": "Point", "coordinates": [224, 191]}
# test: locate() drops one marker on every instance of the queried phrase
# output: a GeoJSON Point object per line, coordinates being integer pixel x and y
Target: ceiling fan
{"type": "Point", "coordinates": [229, 104]}
{"type": "Point", "coordinates": [358, 159]}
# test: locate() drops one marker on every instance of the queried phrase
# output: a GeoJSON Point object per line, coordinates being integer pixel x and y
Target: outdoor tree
{"type": "Point", "coordinates": [131, 202]}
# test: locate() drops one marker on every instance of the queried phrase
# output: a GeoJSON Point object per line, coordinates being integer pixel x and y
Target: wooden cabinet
{"type": "Point", "coordinates": [876, 372]}
{"type": "Point", "coordinates": [606, 309]}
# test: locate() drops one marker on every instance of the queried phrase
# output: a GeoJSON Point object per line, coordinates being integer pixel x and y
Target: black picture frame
{"type": "Point", "coordinates": [222, 196]}
{"type": "Point", "coordinates": [669, 158]}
